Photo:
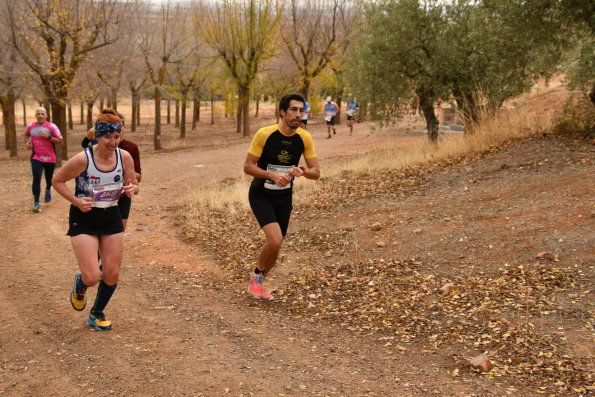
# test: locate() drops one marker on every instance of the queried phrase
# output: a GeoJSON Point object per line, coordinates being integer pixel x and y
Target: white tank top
{"type": "Point", "coordinates": [105, 188]}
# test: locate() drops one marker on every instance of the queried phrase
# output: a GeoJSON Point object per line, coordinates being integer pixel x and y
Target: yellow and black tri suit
{"type": "Point", "coordinates": [277, 152]}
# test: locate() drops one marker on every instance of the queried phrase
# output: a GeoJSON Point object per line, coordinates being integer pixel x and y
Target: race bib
{"type": "Point", "coordinates": [105, 196]}
{"type": "Point", "coordinates": [268, 184]}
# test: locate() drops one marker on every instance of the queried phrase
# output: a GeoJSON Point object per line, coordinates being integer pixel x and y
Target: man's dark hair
{"type": "Point", "coordinates": [286, 100]}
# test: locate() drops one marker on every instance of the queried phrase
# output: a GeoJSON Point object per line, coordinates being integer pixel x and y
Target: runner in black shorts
{"type": "Point", "coordinates": [125, 202]}
{"type": "Point", "coordinates": [102, 172]}
{"type": "Point", "coordinates": [273, 159]}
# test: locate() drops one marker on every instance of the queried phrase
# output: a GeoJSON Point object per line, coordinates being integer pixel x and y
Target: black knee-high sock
{"type": "Point", "coordinates": [104, 294]}
{"type": "Point", "coordinates": [80, 284]}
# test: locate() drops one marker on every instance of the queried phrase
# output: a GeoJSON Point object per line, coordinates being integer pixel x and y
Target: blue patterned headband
{"type": "Point", "coordinates": [102, 128]}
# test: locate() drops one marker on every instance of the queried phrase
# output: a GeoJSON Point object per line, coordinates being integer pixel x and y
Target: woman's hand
{"type": "Point", "coordinates": [130, 189]}
{"type": "Point", "coordinates": [85, 204]}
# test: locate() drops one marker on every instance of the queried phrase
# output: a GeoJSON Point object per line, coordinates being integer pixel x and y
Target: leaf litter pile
{"type": "Point", "coordinates": [520, 316]}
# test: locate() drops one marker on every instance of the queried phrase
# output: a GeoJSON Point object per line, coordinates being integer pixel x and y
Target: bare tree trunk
{"type": "Point", "coordinates": [101, 101]}
{"type": "Point", "coordinates": [257, 107]}
{"type": "Point", "coordinates": [177, 115]}
{"type": "Point", "coordinates": [212, 108]}
{"type": "Point", "coordinates": [10, 128]}
{"type": "Point", "coordinates": [157, 137]}
{"type": "Point", "coordinates": [48, 109]}
{"type": "Point", "coordinates": [239, 118]}
{"type": "Point", "coordinates": [246, 110]}
{"type": "Point", "coordinates": [169, 111]}
{"type": "Point", "coordinates": [58, 106]}
{"type": "Point", "coordinates": [195, 110]}
{"type": "Point", "coordinates": [305, 86]}
{"type": "Point", "coordinates": [90, 103]}
{"type": "Point", "coordinates": [134, 115]}
{"type": "Point", "coordinates": [138, 117]}
{"type": "Point", "coordinates": [70, 124]}
{"type": "Point", "coordinates": [24, 111]}
{"type": "Point", "coordinates": [183, 116]}
{"type": "Point", "coordinates": [339, 102]}
{"type": "Point", "coordinates": [82, 113]}
{"type": "Point", "coordinates": [114, 97]}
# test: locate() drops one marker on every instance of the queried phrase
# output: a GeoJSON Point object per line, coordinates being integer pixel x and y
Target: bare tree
{"type": "Point", "coordinates": [53, 38]}
{"type": "Point", "coordinates": [315, 32]}
{"type": "Point", "coordinates": [162, 47]}
{"type": "Point", "coordinates": [242, 33]}
{"type": "Point", "coordinates": [8, 83]}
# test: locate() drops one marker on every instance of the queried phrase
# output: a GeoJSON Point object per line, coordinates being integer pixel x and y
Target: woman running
{"type": "Point", "coordinates": [103, 173]}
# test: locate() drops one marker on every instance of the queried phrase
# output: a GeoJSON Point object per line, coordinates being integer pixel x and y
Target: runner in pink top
{"type": "Point", "coordinates": [40, 138]}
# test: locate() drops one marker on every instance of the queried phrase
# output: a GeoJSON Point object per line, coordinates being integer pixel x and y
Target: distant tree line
{"type": "Point", "coordinates": [389, 54]}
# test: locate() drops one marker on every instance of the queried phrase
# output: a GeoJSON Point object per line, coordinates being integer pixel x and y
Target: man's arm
{"type": "Point", "coordinates": [312, 172]}
{"type": "Point", "coordinates": [251, 168]}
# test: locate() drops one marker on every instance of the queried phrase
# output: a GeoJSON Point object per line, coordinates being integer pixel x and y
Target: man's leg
{"type": "Point", "coordinates": [271, 248]}
{"type": "Point", "coordinates": [37, 170]}
{"type": "Point", "coordinates": [49, 173]}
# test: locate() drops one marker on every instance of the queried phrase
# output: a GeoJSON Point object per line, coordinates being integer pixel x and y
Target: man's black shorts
{"type": "Point", "coordinates": [270, 208]}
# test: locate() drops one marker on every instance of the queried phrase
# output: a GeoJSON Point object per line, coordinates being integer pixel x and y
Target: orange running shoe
{"type": "Point", "coordinates": [256, 285]}
{"type": "Point", "coordinates": [257, 288]}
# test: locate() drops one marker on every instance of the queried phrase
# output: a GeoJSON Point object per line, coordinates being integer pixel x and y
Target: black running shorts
{"type": "Point", "coordinates": [270, 208]}
{"type": "Point", "coordinates": [97, 222]}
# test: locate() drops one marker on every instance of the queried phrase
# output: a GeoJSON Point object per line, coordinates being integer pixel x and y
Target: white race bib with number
{"type": "Point", "coordinates": [105, 196]}
{"type": "Point", "coordinates": [271, 185]}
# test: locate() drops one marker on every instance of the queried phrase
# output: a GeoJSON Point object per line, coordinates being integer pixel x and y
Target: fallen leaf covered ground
{"type": "Point", "coordinates": [492, 253]}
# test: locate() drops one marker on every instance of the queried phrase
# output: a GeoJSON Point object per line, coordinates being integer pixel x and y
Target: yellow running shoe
{"type": "Point", "coordinates": [99, 322]}
{"type": "Point", "coordinates": [78, 299]}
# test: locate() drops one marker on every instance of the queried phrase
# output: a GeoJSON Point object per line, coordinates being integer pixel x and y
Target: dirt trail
{"type": "Point", "coordinates": [178, 331]}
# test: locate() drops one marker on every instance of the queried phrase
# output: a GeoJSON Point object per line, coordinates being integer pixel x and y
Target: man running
{"type": "Point", "coordinates": [273, 159]}
{"type": "Point", "coordinates": [330, 112]}
{"type": "Point", "coordinates": [305, 115]}
{"type": "Point", "coordinates": [40, 137]}
{"type": "Point", "coordinates": [351, 112]}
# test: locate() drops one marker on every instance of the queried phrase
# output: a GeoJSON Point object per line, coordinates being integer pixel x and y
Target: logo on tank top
{"type": "Point", "coordinates": [94, 180]}
{"type": "Point", "coordinates": [117, 178]}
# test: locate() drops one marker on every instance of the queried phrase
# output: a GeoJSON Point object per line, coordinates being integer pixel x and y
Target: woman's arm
{"type": "Point", "coordinates": [130, 182]}
{"type": "Point", "coordinates": [70, 170]}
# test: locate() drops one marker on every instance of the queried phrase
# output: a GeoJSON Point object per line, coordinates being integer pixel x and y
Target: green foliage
{"type": "Point", "coordinates": [478, 53]}
{"type": "Point", "coordinates": [400, 50]}
{"type": "Point", "coordinates": [578, 117]}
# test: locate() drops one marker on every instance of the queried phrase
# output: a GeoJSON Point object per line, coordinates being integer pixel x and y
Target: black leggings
{"type": "Point", "coordinates": [38, 167]}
